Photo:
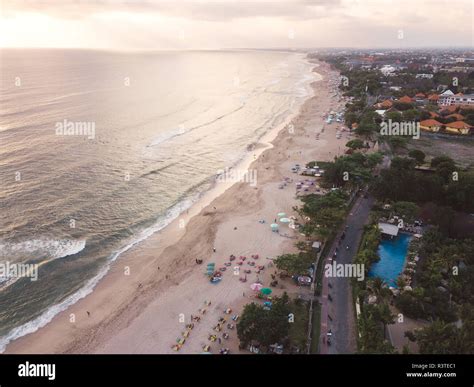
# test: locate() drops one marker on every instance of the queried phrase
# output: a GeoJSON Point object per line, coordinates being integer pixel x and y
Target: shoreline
{"type": "Point", "coordinates": [119, 299]}
{"type": "Point", "coordinates": [186, 209]}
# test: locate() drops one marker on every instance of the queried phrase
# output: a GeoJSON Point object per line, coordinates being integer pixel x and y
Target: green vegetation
{"type": "Point", "coordinates": [353, 170]}
{"type": "Point", "coordinates": [402, 182]}
{"type": "Point", "coordinates": [294, 263]}
{"type": "Point", "coordinates": [323, 213]}
{"type": "Point", "coordinates": [298, 334]}
{"type": "Point", "coordinates": [355, 144]}
{"type": "Point", "coordinates": [316, 324]}
{"type": "Point", "coordinates": [408, 211]}
{"type": "Point", "coordinates": [284, 323]}
{"type": "Point", "coordinates": [445, 279]}
{"type": "Point", "coordinates": [418, 155]}
{"type": "Point", "coordinates": [445, 338]}
{"type": "Point", "coordinates": [368, 248]}
{"type": "Point", "coordinates": [442, 286]}
{"type": "Point", "coordinates": [374, 316]}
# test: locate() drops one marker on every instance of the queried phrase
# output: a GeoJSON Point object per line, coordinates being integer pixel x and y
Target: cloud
{"type": "Point", "coordinates": [209, 24]}
{"type": "Point", "coordinates": [214, 10]}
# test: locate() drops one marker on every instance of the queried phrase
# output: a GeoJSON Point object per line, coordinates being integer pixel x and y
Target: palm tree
{"type": "Point", "coordinates": [437, 338]}
{"type": "Point", "coordinates": [385, 316]}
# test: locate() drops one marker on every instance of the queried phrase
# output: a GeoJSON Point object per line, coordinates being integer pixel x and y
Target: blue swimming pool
{"type": "Point", "coordinates": [392, 257]}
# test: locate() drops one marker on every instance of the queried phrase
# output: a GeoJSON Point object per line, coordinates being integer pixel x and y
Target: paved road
{"type": "Point", "coordinates": [337, 315]}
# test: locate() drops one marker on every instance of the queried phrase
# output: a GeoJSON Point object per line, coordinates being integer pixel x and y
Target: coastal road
{"type": "Point", "coordinates": [337, 309]}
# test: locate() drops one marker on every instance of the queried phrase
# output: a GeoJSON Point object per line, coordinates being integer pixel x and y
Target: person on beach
{"type": "Point", "coordinates": [88, 313]}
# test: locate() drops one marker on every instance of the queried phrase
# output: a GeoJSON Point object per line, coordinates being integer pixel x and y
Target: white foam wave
{"type": "Point", "coordinates": [53, 249]}
{"type": "Point", "coordinates": [47, 316]}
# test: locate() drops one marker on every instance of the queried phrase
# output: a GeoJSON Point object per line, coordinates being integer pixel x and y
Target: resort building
{"type": "Point", "coordinates": [458, 127]}
{"type": "Point", "coordinates": [388, 229]}
{"type": "Point", "coordinates": [405, 99]}
{"type": "Point", "coordinates": [444, 97]}
{"type": "Point", "coordinates": [431, 125]}
{"type": "Point", "coordinates": [387, 104]}
{"type": "Point", "coordinates": [433, 98]}
{"type": "Point", "coordinates": [448, 99]}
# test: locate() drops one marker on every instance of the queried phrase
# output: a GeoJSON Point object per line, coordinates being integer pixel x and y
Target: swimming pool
{"type": "Point", "coordinates": [392, 255]}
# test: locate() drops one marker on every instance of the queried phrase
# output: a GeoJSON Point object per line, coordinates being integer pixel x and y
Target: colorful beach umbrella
{"type": "Point", "coordinates": [274, 226]}
{"type": "Point", "coordinates": [266, 291]}
{"type": "Point", "coordinates": [285, 220]}
{"type": "Point", "coordinates": [256, 286]}
{"type": "Point", "coordinates": [281, 214]}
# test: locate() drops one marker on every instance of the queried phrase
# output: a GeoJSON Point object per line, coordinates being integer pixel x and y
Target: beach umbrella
{"type": "Point", "coordinates": [256, 286]}
{"type": "Point", "coordinates": [285, 220]}
{"type": "Point", "coordinates": [274, 226]}
{"type": "Point", "coordinates": [281, 214]}
{"type": "Point", "coordinates": [266, 291]}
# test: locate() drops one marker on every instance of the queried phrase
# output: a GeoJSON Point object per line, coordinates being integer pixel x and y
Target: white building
{"type": "Point", "coordinates": [387, 70]}
{"type": "Point", "coordinates": [449, 98]}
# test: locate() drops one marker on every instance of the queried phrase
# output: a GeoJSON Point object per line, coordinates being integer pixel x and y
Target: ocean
{"type": "Point", "coordinates": [99, 150]}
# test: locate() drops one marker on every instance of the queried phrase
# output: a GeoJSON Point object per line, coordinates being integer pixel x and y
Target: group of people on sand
{"type": "Point", "coordinates": [180, 341]}
{"type": "Point", "coordinates": [218, 328]}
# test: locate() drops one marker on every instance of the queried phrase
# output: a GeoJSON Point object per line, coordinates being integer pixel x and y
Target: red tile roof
{"type": "Point", "coordinates": [386, 104]}
{"type": "Point", "coordinates": [458, 125]}
{"type": "Point", "coordinates": [430, 122]}
{"type": "Point", "coordinates": [406, 99]}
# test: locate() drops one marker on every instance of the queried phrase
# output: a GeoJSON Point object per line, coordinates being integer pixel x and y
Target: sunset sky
{"type": "Point", "coordinates": [201, 24]}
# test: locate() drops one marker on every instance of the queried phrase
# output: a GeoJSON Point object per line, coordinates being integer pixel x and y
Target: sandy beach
{"type": "Point", "coordinates": [145, 301]}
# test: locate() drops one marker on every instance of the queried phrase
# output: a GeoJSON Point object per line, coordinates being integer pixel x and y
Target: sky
{"type": "Point", "coordinates": [217, 24]}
